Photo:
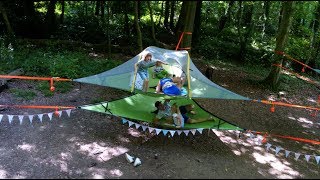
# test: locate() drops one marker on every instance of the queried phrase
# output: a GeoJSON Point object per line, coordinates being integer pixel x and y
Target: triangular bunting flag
{"type": "Point", "coordinates": [144, 127]}
{"type": "Point", "coordinates": [158, 131]}
{"type": "Point", "coordinates": [40, 117]}
{"type": "Point", "coordinates": [179, 132]}
{"type": "Point", "coordinates": [278, 149]}
{"type": "Point", "coordinates": [1, 116]}
{"type": "Point", "coordinates": [151, 129]}
{"type": "Point", "coordinates": [30, 118]}
{"type": "Point", "coordinates": [287, 153]}
{"type": "Point", "coordinates": [307, 157]}
{"type": "Point", "coordinates": [268, 145]}
{"type": "Point", "coordinates": [200, 130]}
{"type": "Point", "coordinates": [164, 132]}
{"type": "Point", "coordinates": [297, 155]}
{"type": "Point", "coordinates": [50, 116]}
{"type": "Point", "coordinates": [60, 114]}
{"type": "Point", "coordinates": [172, 132]}
{"type": "Point", "coordinates": [10, 117]}
{"type": "Point", "coordinates": [186, 132]}
{"type": "Point", "coordinates": [193, 131]}
{"type": "Point", "coordinates": [137, 125]}
{"type": "Point", "coordinates": [251, 135]}
{"type": "Point", "coordinates": [130, 123]}
{"type": "Point", "coordinates": [20, 118]}
{"type": "Point", "coordinates": [124, 121]}
{"type": "Point", "coordinates": [317, 159]}
{"type": "Point", "coordinates": [68, 111]}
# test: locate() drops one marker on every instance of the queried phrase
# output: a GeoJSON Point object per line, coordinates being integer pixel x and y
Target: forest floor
{"type": "Point", "coordinates": [93, 145]}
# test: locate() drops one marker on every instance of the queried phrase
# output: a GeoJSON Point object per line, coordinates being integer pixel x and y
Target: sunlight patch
{"type": "Point", "coordinates": [27, 147]}
{"type": "Point", "coordinates": [116, 173]}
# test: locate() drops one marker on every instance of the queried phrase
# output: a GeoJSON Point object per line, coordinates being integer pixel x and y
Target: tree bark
{"type": "Point", "coordinates": [314, 37]}
{"type": "Point", "coordinates": [102, 8]}
{"type": "Point", "coordinates": [224, 18]}
{"type": "Point", "coordinates": [97, 9]}
{"type": "Point", "coordinates": [51, 18]}
{"type": "Point", "coordinates": [266, 18]}
{"type": "Point", "coordinates": [172, 15]}
{"type": "Point", "coordinates": [62, 12]}
{"type": "Point", "coordinates": [136, 21]}
{"type": "Point", "coordinates": [6, 21]}
{"type": "Point", "coordinates": [108, 27]}
{"type": "Point", "coordinates": [189, 23]}
{"type": "Point", "coordinates": [126, 22]}
{"type": "Point", "coordinates": [182, 16]}
{"type": "Point", "coordinates": [283, 31]}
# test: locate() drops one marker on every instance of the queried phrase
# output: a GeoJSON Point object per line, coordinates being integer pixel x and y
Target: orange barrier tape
{"type": "Point", "coordinates": [39, 107]}
{"type": "Point", "coordinates": [296, 74]}
{"type": "Point", "coordinates": [291, 138]}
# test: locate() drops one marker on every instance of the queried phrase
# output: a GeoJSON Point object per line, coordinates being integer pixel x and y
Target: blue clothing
{"type": "Point", "coordinates": [143, 68]}
{"type": "Point", "coordinates": [169, 87]}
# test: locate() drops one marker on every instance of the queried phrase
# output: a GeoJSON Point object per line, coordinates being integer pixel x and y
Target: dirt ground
{"type": "Point", "coordinates": [92, 145]}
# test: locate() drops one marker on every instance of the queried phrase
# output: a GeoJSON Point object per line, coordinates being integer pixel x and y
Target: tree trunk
{"type": "Point", "coordinates": [197, 23]}
{"type": "Point", "coordinates": [97, 9]}
{"type": "Point", "coordinates": [182, 16]}
{"type": "Point", "coordinates": [172, 15]}
{"type": "Point", "coordinates": [139, 36]}
{"type": "Point", "coordinates": [246, 35]}
{"type": "Point", "coordinates": [152, 22]}
{"type": "Point", "coordinates": [108, 29]}
{"type": "Point", "coordinates": [266, 18]}
{"type": "Point", "coordinates": [51, 18]}
{"type": "Point", "coordinates": [161, 13]}
{"type": "Point", "coordinates": [62, 12]}
{"type": "Point", "coordinates": [224, 18]}
{"type": "Point", "coordinates": [189, 23]}
{"type": "Point", "coordinates": [283, 31]}
{"type": "Point", "coordinates": [102, 8]}
{"type": "Point", "coordinates": [166, 15]}
{"type": "Point", "coordinates": [314, 37]}
{"type": "Point", "coordinates": [7, 22]}
{"type": "Point", "coordinates": [126, 22]}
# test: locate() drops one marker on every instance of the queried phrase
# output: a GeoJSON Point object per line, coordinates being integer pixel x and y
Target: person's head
{"type": "Point", "coordinates": [159, 105]}
{"type": "Point", "coordinates": [148, 57]}
{"type": "Point", "coordinates": [158, 63]}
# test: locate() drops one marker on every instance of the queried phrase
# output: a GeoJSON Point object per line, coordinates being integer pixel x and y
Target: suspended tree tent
{"type": "Point", "coordinates": [140, 105]}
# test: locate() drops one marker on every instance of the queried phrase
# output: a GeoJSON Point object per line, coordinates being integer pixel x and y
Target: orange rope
{"type": "Point", "coordinates": [291, 138]}
{"type": "Point", "coordinates": [296, 74]}
{"type": "Point", "coordinates": [286, 55]}
{"type": "Point", "coordinates": [39, 107]}
{"type": "Point", "coordinates": [285, 104]}
{"type": "Point", "coordinates": [34, 78]}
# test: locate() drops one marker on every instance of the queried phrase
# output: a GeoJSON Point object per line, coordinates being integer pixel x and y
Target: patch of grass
{"type": "Point", "coordinates": [24, 94]}
{"type": "Point", "coordinates": [61, 87]}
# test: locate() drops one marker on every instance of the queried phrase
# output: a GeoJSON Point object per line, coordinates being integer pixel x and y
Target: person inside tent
{"type": "Point", "coordinates": [159, 72]}
{"type": "Point", "coordinates": [170, 86]}
{"type": "Point", "coordinates": [175, 115]}
{"type": "Point", "coordinates": [141, 67]}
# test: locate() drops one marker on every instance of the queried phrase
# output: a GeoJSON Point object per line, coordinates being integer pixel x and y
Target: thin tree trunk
{"type": "Point", "coordinates": [197, 23]}
{"type": "Point", "coordinates": [152, 22]}
{"type": "Point", "coordinates": [172, 15]}
{"type": "Point", "coordinates": [224, 18]}
{"type": "Point", "coordinates": [182, 16]}
{"type": "Point", "coordinates": [314, 37]}
{"type": "Point", "coordinates": [283, 31]}
{"type": "Point", "coordinates": [51, 17]}
{"type": "Point", "coordinates": [62, 12]}
{"type": "Point", "coordinates": [97, 9]}
{"type": "Point", "coordinates": [166, 15]}
{"type": "Point", "coordinates": [266, 13]}
{"type": "Point", "coordinates": [102, 8]}
{"type": "Point", "coordinates": [161, 13]}
{"type": "Point", "coordinates": [108, 29]}
{"type": "Point", "coordinates": [8, 25]}
{"type": "Point", "coordinates": [136, 21]}
{"type": "Point", "coordinates": [126, 22]}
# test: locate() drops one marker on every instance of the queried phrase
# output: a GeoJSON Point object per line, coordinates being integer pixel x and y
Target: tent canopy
{"type": "Point", "coordinates": [180, 64]}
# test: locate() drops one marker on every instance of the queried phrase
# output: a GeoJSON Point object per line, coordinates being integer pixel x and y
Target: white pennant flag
{"type": "Point", "coordinates": [287, 153]}
{"type": "Point", "coordinates": [179, 132]}
{"type": "Point", "coordinates": [165, 132]}
{"type": "Point", "coordinates": [130, 123]}
{"type": "Point", "coordinates": [40, 117]}
{"type": "Point", "coordinates": [137, 125]}
{"type": "Point", "coordinates": [307, 157]}
{"type": "Point", "coordinates": [60, 114]}
{"type": "Point", "coordinates": [68, 111]}
{"type": "Point", "coordinates": [268, 145]}
{"type": "Point", "coordinates": [278, 149]}
{"type": "Point", "coordinates": [317, 159]}
{"type": "Point", "coordinates": [30, 118]}
{"type": "Point", "coordinates": [186, 132]}
{"type": "Point", "coordinates": [172, 132]}
{"type": "Point", "coordinates": [251, 135]}
{"type": "Point", "coordinates": [200, 130]}
{"type": "Point", "coordinates": [1, 116]}
{"type": "Point", "coordinates": [297, 155]}
{"type": "Point", "coordinates": [10, 117]}
{"type": "Point", "coordinates": [150, 129]}
{"type": "Point", "coordinates": [50, 116]}
{"type": "Point", "coordinates": [193, 131]}
{"type": "Point", "coordinates": [144, 127]}
{"type": "Point", "coordinates": [20, 119]}
{"type": "Point", "coordinates": [158, 131]}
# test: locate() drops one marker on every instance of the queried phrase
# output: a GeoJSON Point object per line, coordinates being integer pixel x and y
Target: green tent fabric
{"type": "Point", "coordinates": [139, 107]}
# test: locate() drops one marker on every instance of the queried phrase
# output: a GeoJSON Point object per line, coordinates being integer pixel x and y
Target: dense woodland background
{"type": "Point", "coordinates": [54, 38]}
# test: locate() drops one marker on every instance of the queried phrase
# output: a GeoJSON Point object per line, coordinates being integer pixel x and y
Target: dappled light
{"type": "Point", "coordinates": [27, 147]}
